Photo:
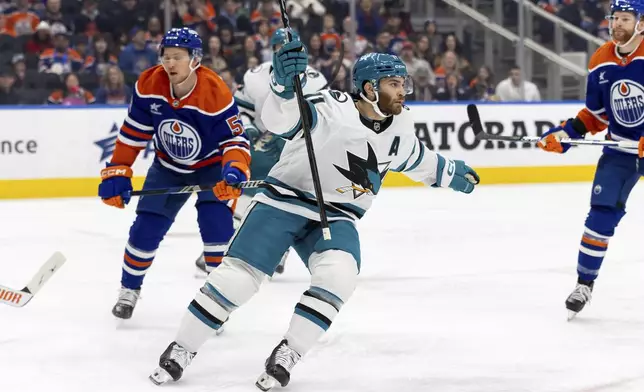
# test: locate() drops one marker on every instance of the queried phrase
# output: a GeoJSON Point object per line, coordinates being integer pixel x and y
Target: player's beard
{"type": "Point", "coordinates": [622, 36]}
{"type": "Point", "coordinates": [390, 105]}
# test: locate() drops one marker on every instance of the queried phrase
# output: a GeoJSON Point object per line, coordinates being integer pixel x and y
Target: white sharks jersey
{"type": "Point", "coordinates": [353, 156]}
{"type": "Point", "coordinates": [250, 96]}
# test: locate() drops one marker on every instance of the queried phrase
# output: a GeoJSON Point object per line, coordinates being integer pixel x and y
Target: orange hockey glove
{"type": "Point", "coordinates": [640, 148]}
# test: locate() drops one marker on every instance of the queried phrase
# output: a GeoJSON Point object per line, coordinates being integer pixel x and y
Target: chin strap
{"type": "Point", "coordinates": [374, 104]}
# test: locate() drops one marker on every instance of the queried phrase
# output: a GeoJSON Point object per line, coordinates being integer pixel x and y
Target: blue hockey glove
{"type": "Point", "coordinates": [235, 172]}
{"type": "Point", "coordinates": [290, 60]}
{"type": "Point", "coordinates": [456, 175]}
{"type": "Point", "coordinates": [551, 140]}
{"type": "Point", "coordinates": [116, 185]}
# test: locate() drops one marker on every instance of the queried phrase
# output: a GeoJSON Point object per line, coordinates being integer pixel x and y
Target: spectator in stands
{"type": "Point", "coordinates": [113, 90]}
{"type": "Point", "coordinates": [91, 19]}
{"type": "Point", "coordinates": [449, 64]}
{"type": "Point", "coordinates": [509, 89]}
{"type": "Point", "coordinates": [330, 38]}
{"type": "Point", "coordinates": [154, 35]}
{"type": "Point", "coordinates": [361, 42]}
{"type": "Point", "coordinates": [214, 58]}
{"type": "Point", "coordinates": [309, 12]}
{"type": "Point", "coordinates": [125, 16]}
{"type": "Point", "coordinates": [424, 51]}
{"type": "Point", "coordinates": [416, 67]}
{"type": "Point", "coordinates": [40, 40]}
{"type": "Point", "coordinates": [452, 90]}
{"type": "Point", "coordinates": [317, 55]}
{"type": "Point", "coordinates": [228, 78]}
{"type": "Point", "coordinates": [431, 32]}
{"type": "Point", "coordinates": [238, 62]}
{"type": "Point", "coordinates": [370, 23]}
{"type": "Point", "coordinates": [20, 20]}
{"type": "Point", "coordinates": [55, 17]}
{"type": "Point", "coordinates": [101, 57]}
{"type": "Point", "coordinates": [197, 13]}
{"type": "Point", "coordinates": [61, 59]}
{"type": "Point", "coordinates": [19, 71]}
{"type": "Point", "coordinates": [232, 14]}
{"type": "Point", "coordinates": [268, 11]}
{"type": "Point", "coordinates": [383, 43]}
{"type": "Point", "coordinates": [263, 39]}
{"type": "Point", "coordinates": [229, 45]}
{"type": "Point", "coordinates": [482, 86]}
{"type": "Point", "coordinates": [342, 81]}
{"type": "Point", "coordinates": [8, 93]}
{"type": "Point", "coordinates": [137, 56]}
{"type": "Point", "coordinates": [71, 94]}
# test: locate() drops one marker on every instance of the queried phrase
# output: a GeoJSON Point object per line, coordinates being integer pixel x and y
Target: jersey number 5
{"type": "Point", "coordinates": [235, 125]}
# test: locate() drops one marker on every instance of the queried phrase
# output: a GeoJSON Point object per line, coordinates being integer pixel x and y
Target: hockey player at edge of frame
{"type": "Point", "coordinates": [266, 147]}
{"type": "Point", "coordinates": [357, 139]}
{"type": "Point", "coordinates": [614, 100]}
{"type": "Point", "coordinates": [198, 138]}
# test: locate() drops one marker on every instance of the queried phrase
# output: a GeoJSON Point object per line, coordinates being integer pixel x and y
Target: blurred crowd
{"type": "Point", "coordinates": [75, 52]}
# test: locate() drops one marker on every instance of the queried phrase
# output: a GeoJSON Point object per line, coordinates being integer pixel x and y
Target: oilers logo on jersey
{"type": "Point", "coordinates": [180, 140]}
{"type": "Point", "coordinates": [366, 175]}
{"type": "Point", "coordinates": [627, 102]}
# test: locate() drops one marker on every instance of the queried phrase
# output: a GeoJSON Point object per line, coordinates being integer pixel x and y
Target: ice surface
{"type": "Point", "coordinates": [458, 293]}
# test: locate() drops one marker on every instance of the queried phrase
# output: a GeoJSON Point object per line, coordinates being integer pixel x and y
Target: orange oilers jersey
{"type": "Point", "coordinates": [195, 131]}
{"type": "Point", "coordinates": [615, 94]}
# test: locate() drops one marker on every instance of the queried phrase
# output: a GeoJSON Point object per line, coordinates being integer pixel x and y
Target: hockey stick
{"type": "Point", "coordinates": [477, 127]}
{"type": "Point", "coordinates": [20, 298]}
{"type": "Point", "coordinates": [306, 128]}
{"type": "Point", "coordinates": [192, 188]}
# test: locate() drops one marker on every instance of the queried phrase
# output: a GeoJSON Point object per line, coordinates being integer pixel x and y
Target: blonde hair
{"type": "Point", "coordinates": [105, 81]}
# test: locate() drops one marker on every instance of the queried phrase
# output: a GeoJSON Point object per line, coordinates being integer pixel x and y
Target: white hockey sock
{"type": "Point", "coordinates": [232, 284]}
{"type": "Point", "coordinates": [312, 317]}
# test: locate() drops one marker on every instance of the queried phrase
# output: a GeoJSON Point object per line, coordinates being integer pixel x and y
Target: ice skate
{"type": "Point", "coordinates": [201, 271]}
{"type": "Point", "coordinates": [579, 298]}
{"type": "Point", "coordinates": [174, 360]}
{"type": "Point", "coordinates": [126, 303]}
{"type": "Point", "coordinates": [278, 367]}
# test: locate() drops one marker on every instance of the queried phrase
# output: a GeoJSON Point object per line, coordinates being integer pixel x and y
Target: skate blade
{"type": "Point", "coordinates": [160, 376]}
{"type": "Point", "coordinates": [572, 315]}
{"type": "Point", "coordinates": [219, 331]}
{"type": "Point", "coordinates": [265, 382]}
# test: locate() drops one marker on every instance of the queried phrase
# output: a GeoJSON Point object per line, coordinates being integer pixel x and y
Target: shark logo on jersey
{"type": "Point", "coordinates": [179, 140]}
{"type": "Point", "coordinates": [627, 102]}
{"type": "Point", "coordinates": [365, 174]}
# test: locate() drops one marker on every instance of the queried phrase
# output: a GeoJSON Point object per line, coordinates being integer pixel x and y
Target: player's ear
{"type": "Point", "coordinates": [369, 91]}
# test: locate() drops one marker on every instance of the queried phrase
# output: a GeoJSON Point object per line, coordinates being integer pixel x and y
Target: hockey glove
{"type": "Point", "coordinates": [456, 175]}
{"type": "Point", "coordinates": [551, 140]}
{"type": "Point", "coordinates": [233, 173]}
{"type": "Point", "coordinates": [290, 61]}
{"type": "Point", "coordinates": [640, 147]}
{"type": "Point", "coordinates": [116, 185]}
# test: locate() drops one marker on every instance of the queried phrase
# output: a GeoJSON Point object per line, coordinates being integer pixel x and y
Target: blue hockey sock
{"type": "Point", "coordinates": [591, 254]}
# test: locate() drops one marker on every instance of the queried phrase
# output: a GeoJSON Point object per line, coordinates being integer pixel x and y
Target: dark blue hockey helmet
{"type": "Point", "coordinates": [280, 37]}
{"type": "Point", "coordinates": [183, 37]}
{"type": "Point", "coordinates": [634, 6]}
{"type": "Point", "coordinates": [373, 67]}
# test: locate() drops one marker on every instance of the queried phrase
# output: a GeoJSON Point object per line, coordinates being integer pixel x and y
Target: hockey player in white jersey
{"type": "Point", "coordinates": [266, 147]}
{"type": "Point", "coordinates": [357, 140]}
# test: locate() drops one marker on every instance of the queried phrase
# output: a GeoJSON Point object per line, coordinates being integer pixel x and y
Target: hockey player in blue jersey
{"type": "Point", "coordinates": [189, 113]}
{"type": "Point", "coordinates": [357, 140]}
{"type": "Point", "coordinates": [615, 100]}
{"type": "Point", "coordinates": [266, 147]}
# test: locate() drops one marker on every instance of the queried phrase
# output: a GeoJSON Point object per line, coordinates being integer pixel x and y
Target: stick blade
{"type": "Point", "coordinates": [475, 120]}
{"type": "Point", "coordinates": [17, 298]}
{"type": "Point", "coordinates": [45, 272]}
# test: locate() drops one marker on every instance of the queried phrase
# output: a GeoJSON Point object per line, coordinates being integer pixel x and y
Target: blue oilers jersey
{"type": "Point", "coordinates": [190, 132]}
{"type": "Point", "coordinates": [615, 95]}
